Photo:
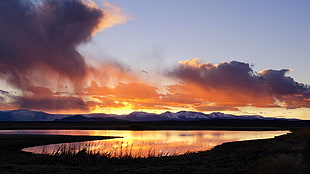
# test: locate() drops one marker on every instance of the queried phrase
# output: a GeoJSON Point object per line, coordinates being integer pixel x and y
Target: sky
{"type": "Point", "coordinates": [119, 56]}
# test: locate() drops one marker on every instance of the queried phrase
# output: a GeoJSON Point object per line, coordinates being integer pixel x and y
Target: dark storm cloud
{"type": "Point", "coordinates": [239, 78]}
{"type": "Point", "coordinates": [281, 84]}
{"type": "Point", "coordinates": [52, 103]}
{"type": "Point", "coordinates": [44, 36]}
{"type": "Point", "coordinates": [5, 96]}
{"type": "Point", "coordinates": [42, 98]}
{"type": "Point", "coordinates": [2, 92]}
{"type": "Point", "coordinates": [6, 100]}
{"type": "Point", "coordinates": [228, 74]}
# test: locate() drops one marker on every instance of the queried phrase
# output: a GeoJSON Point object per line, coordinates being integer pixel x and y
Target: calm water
{"type": "Point", "coordinates": [146, 143]}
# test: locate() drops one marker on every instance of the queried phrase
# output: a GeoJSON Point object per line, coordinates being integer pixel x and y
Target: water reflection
{"type": "Point", "coordinates": [147, 143]}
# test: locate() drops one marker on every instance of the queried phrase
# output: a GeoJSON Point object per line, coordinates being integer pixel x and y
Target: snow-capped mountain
{"type": "Point", "coordinates": [187, 116]}
{"type": "Point", "coordinates": [26, 115]}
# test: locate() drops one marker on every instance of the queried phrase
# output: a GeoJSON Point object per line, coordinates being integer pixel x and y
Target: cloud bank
{"type": "Point", "coordinates": [237, 84]}
{"type": "Point", "coordinates": [39, 40]}
{"type": "Point", "coordinates": [39, 57]}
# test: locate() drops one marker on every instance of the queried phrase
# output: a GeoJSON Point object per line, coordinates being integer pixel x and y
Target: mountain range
{"type": "Point", "coordinates": [27, 115]}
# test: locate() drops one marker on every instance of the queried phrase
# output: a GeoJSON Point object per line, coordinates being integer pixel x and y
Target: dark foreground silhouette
{"type": "Point", "coordinates": [285, 154]}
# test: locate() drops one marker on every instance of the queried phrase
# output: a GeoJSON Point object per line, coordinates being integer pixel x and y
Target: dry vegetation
{"type": "Point", "coordinates": [287, 154]}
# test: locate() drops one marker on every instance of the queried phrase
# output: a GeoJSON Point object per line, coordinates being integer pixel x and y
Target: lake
{"type": "Point", "coordinates": [145, 143]}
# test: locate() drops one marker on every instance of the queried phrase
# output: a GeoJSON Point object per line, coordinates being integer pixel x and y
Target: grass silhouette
{"type": "Point", "coordinates": [285, 154]}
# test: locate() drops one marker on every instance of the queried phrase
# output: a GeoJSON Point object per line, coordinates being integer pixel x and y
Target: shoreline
{"type": "Point", "coordinates": [283, 154]}
{"type": "Point", "coordinates": [238, 125]}
{"type": "Point", "coordinates": [16, 142]}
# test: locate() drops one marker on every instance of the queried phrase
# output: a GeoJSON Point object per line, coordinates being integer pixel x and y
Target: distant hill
{"type": "Point", "coordinates": [27, 115]}
{"type": "Point", "coordinates": [80, 118]}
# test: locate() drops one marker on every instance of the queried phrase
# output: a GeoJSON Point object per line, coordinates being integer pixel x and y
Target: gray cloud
{"type": "Point", "coordinates": [43, 37]}
{"type": "Point", "coordinates": [238, 77]}
{"type": "Point", "coordinates": [52, 104]}
{"type": "Point", "coordinates": [281, 84]}
{"type": "Point", "coordinates": [228, 74]}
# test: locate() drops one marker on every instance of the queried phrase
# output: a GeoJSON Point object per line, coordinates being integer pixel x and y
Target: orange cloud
{"type": "Point", "coordinates": [235, 84]}
{"type": "Point", "coordinates": [112, 15]}
{"type": "Point", "coordinates": [132, 95]}
{"type": "Point", "coordinates": [52, 75]}
{"type": "Point", "coordinates": [113, 88]}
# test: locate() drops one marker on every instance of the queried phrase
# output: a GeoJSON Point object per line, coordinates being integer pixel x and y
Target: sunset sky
{"type": "Point", "coordinates": [119, 56]}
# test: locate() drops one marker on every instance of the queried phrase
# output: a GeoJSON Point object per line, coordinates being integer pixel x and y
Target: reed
{"type": "Point", "coordinates": [121, 150]}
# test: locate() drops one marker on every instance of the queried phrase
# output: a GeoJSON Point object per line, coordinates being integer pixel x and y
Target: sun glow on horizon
{"type": "Point", "coordinates": [67, 71]}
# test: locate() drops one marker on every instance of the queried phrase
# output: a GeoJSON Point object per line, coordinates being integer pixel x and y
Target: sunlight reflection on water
{"type": "Point", "coordinates": [146, 143]}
